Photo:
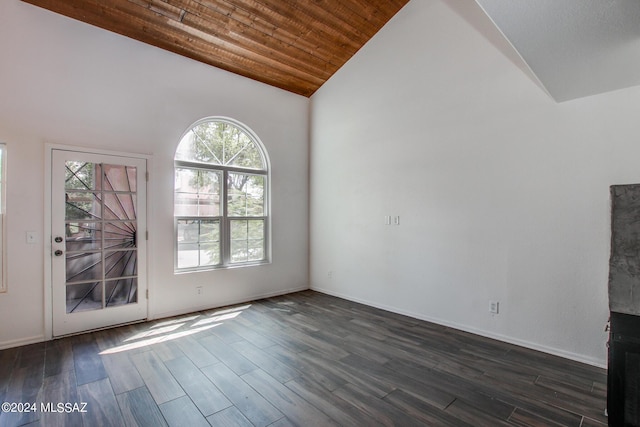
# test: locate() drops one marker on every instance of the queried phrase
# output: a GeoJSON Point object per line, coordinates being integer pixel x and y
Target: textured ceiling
{"type": "Point", "coordinates": [576, 48]}
{"type": "Point", "coordinates": [290, 44]}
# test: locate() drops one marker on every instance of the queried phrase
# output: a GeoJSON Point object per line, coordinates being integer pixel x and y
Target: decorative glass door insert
{"type": "Point", "coordinates": [97, 256]}
{"type": "Point", "coordinates": [100, 234]}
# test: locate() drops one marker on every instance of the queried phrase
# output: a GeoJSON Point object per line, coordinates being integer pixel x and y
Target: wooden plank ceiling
{"type": "Point", "coordinates": [295, 45]}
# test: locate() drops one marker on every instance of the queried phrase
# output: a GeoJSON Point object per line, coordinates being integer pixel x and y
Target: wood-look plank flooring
{"type": "Point", "coordinates": [304, 359]}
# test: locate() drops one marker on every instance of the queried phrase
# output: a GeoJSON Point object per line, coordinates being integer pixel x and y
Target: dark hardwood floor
{"type": "Point", "coordinates": [304, 359]}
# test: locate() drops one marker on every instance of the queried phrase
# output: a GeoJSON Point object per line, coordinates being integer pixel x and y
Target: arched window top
{"type": "Point", "coordinates": [221, 142]}
{"type": "Point", "coordinates": [221, 197]}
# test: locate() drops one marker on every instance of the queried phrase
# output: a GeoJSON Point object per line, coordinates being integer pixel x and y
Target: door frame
{"type": "Point", "coordinates": [48, 236]}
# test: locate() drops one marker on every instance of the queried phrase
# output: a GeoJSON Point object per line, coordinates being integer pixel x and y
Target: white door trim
{"type": "Point", "coordinates": [47, 235]}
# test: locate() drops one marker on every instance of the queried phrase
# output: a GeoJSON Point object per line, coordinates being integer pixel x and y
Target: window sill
{"type": "Point", "coordinates": [221, 267]}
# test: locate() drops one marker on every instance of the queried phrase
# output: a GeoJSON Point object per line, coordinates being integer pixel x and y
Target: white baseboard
{"type": "Point", "coordinates": [22, 341]}
{"type": "Point", "coordinates": [511, 340]}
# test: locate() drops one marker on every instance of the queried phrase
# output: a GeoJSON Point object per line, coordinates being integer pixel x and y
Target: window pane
{"type": "Point", "coordinates": [197, 192]}
{"type": "Point", "coordinates": [201, 144]}
{"type": "Point", "coordinates": [120, 292]}
{"type": "Point", "coordinates": [256, 240]}
{"type": "Point", "coordinates": [239, 251]}
{"type": "Point", "coordinates": [208, 205]}
{"type": "Point", "coordinates": [256, 229]}
{"type": "Point", "coordinates": [185, 180]}
{"type": "Point", "coordinates": [243, 152]}
{"type": "Point", "coordinates": [119, 178]}
{"type": "Point", "coordinates": [84, 266]}
{"type": "Point", "coordinates": [188, 230]}
{"type": "Point", "coordinates": [255, 249]}
{"type": "Point", "coordinates": [187, 255]}
{"type": "Point", "coordinates": [209, 231]}
{"type": "Point", "coordinates": [198, 242]}
{"type": "Point", "coordinates": [83, 236]}
{"type": "Point", "coordinates": [120, 235]}
{"type": "Point", "coordinates": [247, 240]}
{"type": "Point", "coordinates": [186, 204]}
{"type": "Point", "coordinates": [246, 194]}
{"type": "Point", "coordinates": [209, 254]}
{"type": "Point", "coordinates": [82, 176]}
{"type": "Point", "coordinates": [120, 206]}
{"type": "Point", "coordinates": [84, 296]}
{"type": "Point", "coordinates": [238, 230]}
{"type": "Point", "coordinates": [220, 143]}
{"type": "Point", "coordinates": [120, 264]}
{"type": "Point", "coordinates": [80, 205]}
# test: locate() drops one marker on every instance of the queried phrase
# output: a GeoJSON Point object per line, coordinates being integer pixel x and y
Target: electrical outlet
{"type": "Point", "coordinates": [330, 275]}
{"type": "Point", "coordinates": [494, 307]}
{"type": "Point", "coordinates": [199, 290]}
{"type": "Point", "coordinates": [396, 220]}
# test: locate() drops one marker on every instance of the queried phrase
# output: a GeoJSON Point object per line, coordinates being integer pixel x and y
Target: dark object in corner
{"type": "Point", "coordinates": [623, 382]}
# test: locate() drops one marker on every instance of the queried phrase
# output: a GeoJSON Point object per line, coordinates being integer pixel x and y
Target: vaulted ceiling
{"type": "Point", "coordinates": [294, 45]}
{"type": "Point", "coordinates": [574, 48]}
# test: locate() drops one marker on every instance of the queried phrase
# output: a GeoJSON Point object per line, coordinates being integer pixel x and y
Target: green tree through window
{"type": "Point", "coordinates": [221, 200]}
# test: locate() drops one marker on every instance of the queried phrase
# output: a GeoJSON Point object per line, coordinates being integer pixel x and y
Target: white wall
{"type": "Point", "coordinates": [65, 82]}
{"type": "Point", "coordinates": [502, 193]}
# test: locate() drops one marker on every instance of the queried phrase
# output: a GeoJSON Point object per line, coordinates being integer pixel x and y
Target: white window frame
{"type": "Point", "coordinates": [3, 221]}
{"type": "Point", "coordinates": [224, 218]}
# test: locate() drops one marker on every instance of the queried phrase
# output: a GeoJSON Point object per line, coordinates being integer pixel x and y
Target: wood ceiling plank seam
{"type": "Point", "coordinates": [209, 20]}
{"type": "Point", "coordinates": [160, 7]}
{"type": "Point", "coordinates": [326, 34]}
{"type": "Point", "coordinates": [243, 52]}
{"type": "Point", "coordinates": [342, 8]}
{"type": "Point", "coordinates": [144, 3]}
{"type": "Point", "coordinates": [379, 11]}
{"type": "Point", "coordinates": [371, 14]}
{"type": "Point", "coordinates": [239, 52]}
{"type": "Point", "coordinates": [265, 48]}
{"type": "Point", "coordinates": [295, 29]}
{"type": "Point", "coordinates": [261, 25]}
{"type": "Point", "coordinates": [97, 14]}
{"type": "Point", "coordinates": [338, 18]}
{"type": "Point", "coordinates": [166, 9]}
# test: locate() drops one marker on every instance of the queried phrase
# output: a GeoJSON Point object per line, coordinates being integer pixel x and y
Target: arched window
{"type": "Point", "coordinates": [221, 203]}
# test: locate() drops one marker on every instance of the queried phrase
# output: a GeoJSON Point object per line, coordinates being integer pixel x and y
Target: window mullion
{"type": "Point", "coordinates": [225, 225]}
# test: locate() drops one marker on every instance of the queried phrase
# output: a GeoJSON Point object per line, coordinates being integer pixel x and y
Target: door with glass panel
{"type": "Point", "coordinates": [98, 242]}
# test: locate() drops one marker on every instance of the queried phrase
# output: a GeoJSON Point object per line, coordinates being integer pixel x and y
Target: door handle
{"type": "Point", "coordinates": [58, 252]}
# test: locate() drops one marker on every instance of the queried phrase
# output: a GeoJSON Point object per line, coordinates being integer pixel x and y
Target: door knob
{"type": "Point", "coordinates": [58, 252]}
{"type": "Point", "coordinates": [58, 239]}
